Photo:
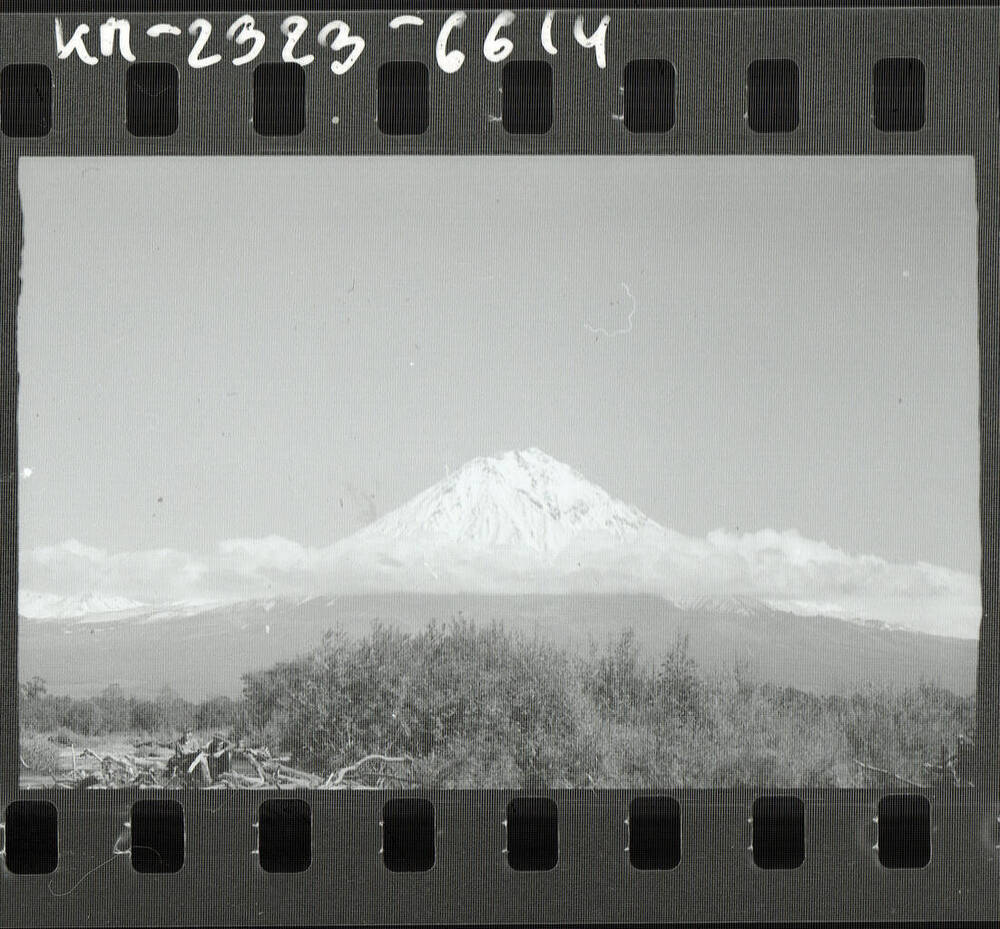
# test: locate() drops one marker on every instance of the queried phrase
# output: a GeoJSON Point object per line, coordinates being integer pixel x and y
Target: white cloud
{"type": "Point", "coordinates": [784, 568]}
{"type": "Point", "coordinates": [271, 553]}
{"type": "Point", "coordinates": [813, 577]}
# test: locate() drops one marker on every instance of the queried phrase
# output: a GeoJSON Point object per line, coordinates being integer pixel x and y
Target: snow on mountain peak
{"type": "Point", "coordinates": [35, 605]}
{"type": "Point", "coordinates": [524, 500]}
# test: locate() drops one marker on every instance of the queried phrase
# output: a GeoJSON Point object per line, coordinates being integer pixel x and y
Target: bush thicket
{"type": "Point", "coordinates": [479, 706]}
{"type": "Point", "coordinates": [113, 711]}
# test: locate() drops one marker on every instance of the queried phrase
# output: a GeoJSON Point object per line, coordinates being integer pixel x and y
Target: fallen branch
{"type": "Point", "coordinates": [336, 778]}
{"type": "Point", "coordinates": [210, 765]}
{"type": "Point", "coordinates": [887, 773]}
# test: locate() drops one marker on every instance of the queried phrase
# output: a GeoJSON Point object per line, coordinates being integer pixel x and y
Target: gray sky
{"type": "Point", "coordinates": [217, 347]}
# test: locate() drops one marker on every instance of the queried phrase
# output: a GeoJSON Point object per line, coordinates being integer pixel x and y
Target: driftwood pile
{"type": "Point", "coordinates": [220, 764]}
{"type": "Point", "coordinates": [951, 770]}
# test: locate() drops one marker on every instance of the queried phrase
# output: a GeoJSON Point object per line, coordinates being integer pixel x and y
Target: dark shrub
{"type": "Point", "coordinates": [478, 697]}
{"type": "Point", "coordinates": [115, 709]}
{"type": "Point", "coordinates": [148, 716]}
{"type": "Point", "coordinates": [679, 689]}
{"type": "Point", "coordinates": [621, 685]}
{"type": "Point", "coordinates": [85, 717]}
{"type": "Point", "coordinates": [216, 713]}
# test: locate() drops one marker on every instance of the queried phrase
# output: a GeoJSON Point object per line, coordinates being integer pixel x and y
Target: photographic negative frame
{"type": "Point", "coordinates": [718, 876]}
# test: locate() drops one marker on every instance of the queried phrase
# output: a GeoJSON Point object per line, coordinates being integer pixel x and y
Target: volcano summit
{"type": "Point", "coordinates": [524, 500]}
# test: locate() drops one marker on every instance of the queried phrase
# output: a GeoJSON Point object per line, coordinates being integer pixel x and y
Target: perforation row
{"type": "Point", "coordinates": [154, 835]}
{"type": "Point", "coordinates": [403, 92]}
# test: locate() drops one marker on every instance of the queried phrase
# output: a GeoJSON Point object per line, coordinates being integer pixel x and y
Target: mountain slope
{"type": "Point", "coordinates": [204, 653]}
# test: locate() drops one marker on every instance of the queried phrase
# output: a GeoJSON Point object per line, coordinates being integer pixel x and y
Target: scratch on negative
{"type": "Point", "coordinates": [628, 323]}
{"type": "Point", "coordinates": [82, 879]}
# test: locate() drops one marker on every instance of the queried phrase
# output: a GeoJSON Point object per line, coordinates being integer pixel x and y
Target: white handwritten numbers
{"type": "Point", "coordinates": [293, 28]}
{"type": "Point", "coordinates": [342, 39]}
{"type": "Point", "coordinates": [449, 62]}
{"type": "Point", "coordinates": [201, 29]}
{"type": "Point", "coordinates": [245, 31]}
{"type": "Point", "coordinates": [244, 40]}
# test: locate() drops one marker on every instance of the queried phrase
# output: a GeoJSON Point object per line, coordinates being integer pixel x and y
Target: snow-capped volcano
{"type": "Point", "coordinates": [522, 501]}
{"type": "Point", "coordinates": [521, 523]}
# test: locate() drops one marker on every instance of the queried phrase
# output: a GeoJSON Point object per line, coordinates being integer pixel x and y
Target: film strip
{"type": "Point", "coordinates": [421, 670]}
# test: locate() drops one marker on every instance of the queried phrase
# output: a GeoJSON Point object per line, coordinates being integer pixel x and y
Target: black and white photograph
{"type": "Point", "coordinates": [497, 472]}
